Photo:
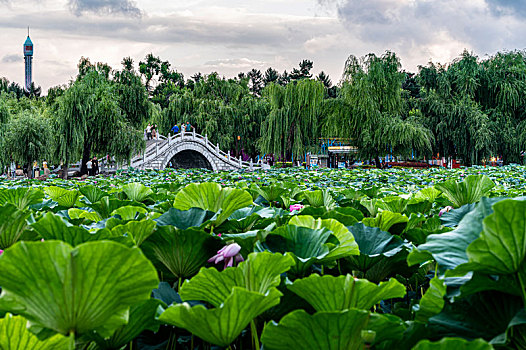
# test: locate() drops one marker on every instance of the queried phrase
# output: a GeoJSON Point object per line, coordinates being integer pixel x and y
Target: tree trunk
{"type": "Point", "coordinates": [65, 170]}
{"type": "Point", "coordinates": [85, 157]}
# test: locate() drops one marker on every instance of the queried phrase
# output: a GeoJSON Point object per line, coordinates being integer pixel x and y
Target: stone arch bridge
{"type": "Point", "coordinates": [189, 150]}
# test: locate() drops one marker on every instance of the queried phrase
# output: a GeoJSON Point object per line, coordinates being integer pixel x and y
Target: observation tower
{"type": "Point", "coordinates": [28, 58]}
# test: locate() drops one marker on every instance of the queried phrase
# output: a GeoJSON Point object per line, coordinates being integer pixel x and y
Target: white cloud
{"type": "Point", "coordinates": [237, 63]}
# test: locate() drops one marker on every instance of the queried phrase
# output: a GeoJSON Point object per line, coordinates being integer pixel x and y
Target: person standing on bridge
{"type": "Point", "coordinates": [189, 127]}
{"type": "Point", "coordinates": [149, 132]}
{"type": "Point", "coordinates": [175, 129]}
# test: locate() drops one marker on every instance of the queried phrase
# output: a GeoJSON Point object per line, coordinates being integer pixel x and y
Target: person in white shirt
{"type": "Point", "coordinates": [89, 165]}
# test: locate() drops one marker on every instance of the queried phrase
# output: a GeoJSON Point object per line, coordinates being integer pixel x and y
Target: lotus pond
{"type": "Point", "coordinates": [283, 259]}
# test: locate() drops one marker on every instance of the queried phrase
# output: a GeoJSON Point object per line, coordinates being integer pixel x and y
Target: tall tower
{"type": "Point", "coordinates": [28, 58]}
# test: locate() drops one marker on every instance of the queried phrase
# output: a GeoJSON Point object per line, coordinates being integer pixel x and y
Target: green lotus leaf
{"type": "Point", "coordinates": [370, 205]}
{"type": "Point", "coordinates": [53, 227]}
{"type": "Point", "coordinates": [329, 293]}
{"type": "Point", "coordinates": [501, 247]}
{"type": "Point", "coordinates": [453, 343]}
{"type": "Point", "coordinates": [432, 301]}
{"type": "Point", "coordinates": [14, 335]}
{"type": "Point", "coordinates": [244, 219]}
{"type": "Point", "coordinates": [142, 317]}
{"type": "Point", "coordinates": [180, 253]}
{"type": "Point", "coordinates": [136, 191]}
{"type": "Point", "coordinates": [305, 244]}
{"type": "Point", "coordinates": [428, 193]}
{"type": "Point", "coordinates": [347, 245]}
{"type": "Point", "coordinates": [13, 223]}
{"type": "Point", "coordinates": [21, 197]}
{"type": "Point", "coordinates": [346, 215]}
{"type": "Point", "coordinates": [139, 231]}
{"type": "Point", "coordinates": [449, 249]}
{"type": "Point", "coordinates": [211, 196]}
{"type": "Point", "coordinates": [320, 198]}
{"type": "Point", "coordinates": [65, 198]}
{"type": "Point", "coordinates": [75, 290]}
{"type": "Point", "coordinates": [323, 330]}
{"type": "Point", "coordinates": [393, 204]}
{"type": "Point", "coordinates": [129, 212]}
{"type": "Point", "coordinates": [105, 206]}
{"type": "Point", "coordinates": [487, 314]}
{"type": "Point", "coordinates": [75, 213]}
{"type": "Point", "coordinates": [221, 325]}
{"type": "Point", "coordinates": [183, 219]}
{"type": "Point", "coordinates": [388, 221]}
{"type": "Point", "coordinates": [471, 190]}
{"type": "Point", "coordinates": [92, 193]}
{"type": "Point", "coordinates": [259, 273]}
{"type": "Point", "coordinates": [381, 253]}
{"type": "Point", "coordinates": [453, 217]}
{"type": "Point", "coordinates": [270, 193]}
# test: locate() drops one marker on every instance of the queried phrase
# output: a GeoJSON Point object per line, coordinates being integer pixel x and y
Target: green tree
{"type": "Point", "coordinates": [256, 81]}
{"type": "Point", "coordinates": [90, 121]}
{"type": "Point", "coordinates": [132, 94]}
{"type": "Point", "coordinates": [292, 126]}
{"type": "Point", "coordinates": [303, 72]}
{"type": "Point", "coordinates": [28, 137]}
{"type": "Point", "coordinates": [370, 110]}
{"type": "Point", "coordinates": [271, 76]}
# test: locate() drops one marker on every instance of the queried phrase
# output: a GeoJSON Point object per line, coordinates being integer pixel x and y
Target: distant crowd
{"type": "Point", "coordinates": [151, 131]}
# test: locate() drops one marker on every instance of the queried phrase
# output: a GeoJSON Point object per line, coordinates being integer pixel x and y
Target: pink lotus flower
{"type": "Point", "coordinates": [294, 207]}
{"type": "Point", "coordinates": [1, 252]}
{"type": "Point", "coordinates": [445, 210]}
{"type": "Point", "coordinates": [229, 253]}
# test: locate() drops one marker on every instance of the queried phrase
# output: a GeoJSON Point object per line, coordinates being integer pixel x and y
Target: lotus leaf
{"type": "Point", "coordinates": [65, 198]}
{"type": "Point", "coordinates": [259, 273]}
{"type": "Point", "coordinates": [212, 197]}
{"type": "Point", "coordinates": [92, 193]}
{"type": "Point", "coordinates": [347, 245]}
{"type": "Point", "coordinates": [221, 325]}
{"type": "Point", "coordinates": [12, 225]}
{"type": "Point", "coordinates": [142, 317]}
{"type": "Point", "coordinates": [329, 330]}
{"type": "Point", "coordinates": [14, 335]}
{"type": "Point", "coordinates": [180, 252]}
{"type": "Point", "coordinates": [454, 343]}
{"type": "Point", "coordinates": [183, 219]}
{"type": "Point", "coordinates": [432, 301]}
{"type": "Point", "coordinates": [471, 190]}
{"type": "Point", "coordinates": [75, 290]}
{"type": "Point", "coordinates": [21, 197]}
{"type": "Point", "coordinates": [306, 245]}
{"type": "Point", "coordinates": [139, 231]}
{"type": "Point", "coordinates": [329, 293]}
{"type": "Point", "coordinates": [136, 191]}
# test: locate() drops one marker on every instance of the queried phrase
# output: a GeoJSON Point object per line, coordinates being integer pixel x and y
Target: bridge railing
{"type": "Point", "coordinates": [164, 143]}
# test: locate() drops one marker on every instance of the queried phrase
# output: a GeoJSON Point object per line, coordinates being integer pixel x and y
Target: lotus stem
{"type": "Point", "coordinates": [255, 337]}
{"type": "Point", "coordinates": [523, 291]}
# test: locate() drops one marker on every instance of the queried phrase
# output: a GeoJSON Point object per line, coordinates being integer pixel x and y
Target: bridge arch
{"type": "Point", "coordinates": [190, 149]}
{"type": "Point", "coordinates": [189, 159]}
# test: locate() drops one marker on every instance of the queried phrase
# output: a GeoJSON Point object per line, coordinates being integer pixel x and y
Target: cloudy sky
{"type": "Point", "coordinates": [229, 36]}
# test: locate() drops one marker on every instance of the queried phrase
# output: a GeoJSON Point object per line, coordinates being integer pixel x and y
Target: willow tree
{"type": "Point", "coordinates": [132, 94]}
{"type": "Point", "coordinates": [292, 127]}
{"type": "Point", "coordinates": [451, 103]}
{"type": "Point", "coordinates": [222, 109]}
{"type": "Point", "coordinates": [4, 117]}
{"type": "Point", "coordinates": [90, 121]}
{"type": "Point", "coordinates": [370, 110]}
{"type": "Point", "coordinates": [28, 137]}
{"type": "Point", "coordinates": [502, 95]}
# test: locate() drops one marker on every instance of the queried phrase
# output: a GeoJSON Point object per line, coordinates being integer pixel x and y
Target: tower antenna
{"type": "Point", "coordinates": [27, 30]}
